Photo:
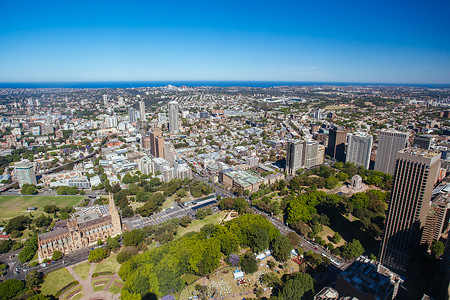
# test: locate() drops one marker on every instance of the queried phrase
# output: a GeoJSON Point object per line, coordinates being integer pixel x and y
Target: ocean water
{"type": "Point", "coordinates": [136, 84]}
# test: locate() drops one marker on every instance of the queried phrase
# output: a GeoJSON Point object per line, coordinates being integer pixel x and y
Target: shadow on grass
{"type": "Point", "coordinates": [349, 230]}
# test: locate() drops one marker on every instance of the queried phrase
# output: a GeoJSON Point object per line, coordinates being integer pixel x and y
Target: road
{"type": "Point", "coordinates": [305, 243]}
{"type": "Point", "coordinates": [218, 190]}
{"type": "Point", "coordinates": [68, 260]}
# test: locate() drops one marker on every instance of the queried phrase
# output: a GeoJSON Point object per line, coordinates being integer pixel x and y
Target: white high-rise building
{"type": "Point", "coordinates": [105, 101]}
{"type": "Point", "coordinates": [142, 111]}
{"type": "Point", "coordinates": [111, 122]}
{"type": "Point", "coordinates": [359, 148]}
{"type": "Point", "coordinates": [162, 119]}
{"type": "Point", "coordinates": [389, 143]}
{"type": "Point", "coordinates": [310, 151]}
{"type": "Point", "coordinates": [173, 117]}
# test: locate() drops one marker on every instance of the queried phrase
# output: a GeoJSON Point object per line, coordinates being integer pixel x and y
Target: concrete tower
{"type": "Point", "coordinates": [173, 117]}
{"type": "Point", "coordinates": [359, 148]}
{"type": "Point", "coordinates": [142, 111]}
{"type": "Point", "coordinates": [414, 179]}
{"type": "Point", "coordinates": [389, 143]}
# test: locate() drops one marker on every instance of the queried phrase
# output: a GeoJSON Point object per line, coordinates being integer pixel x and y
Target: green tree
{"type": "Point", "coordinates": [296, 286]}
{"type": "Point", "coordinates": [19, 223]}
{"type": "Point", "coordinates": [133, 237]}
{"type": "Point", "coordinates": [9, 288]}
{"type": "Point", "coordinates": [34, 280]}
{"type": "Point", "coordinates": [437, 248]}
{"type": "Point", "coordinates": [57, 255]}
{"type": "Point", "coordinates": [281, 248]}
{"type": "Point", "coordinates": [29, 250]}
{"type": "Point", "coordinates": [126, 254]}
{"type": "Point", "coordinates": [336, 238]}
{"type": "Point", "coordinates": [185, 221]}
{"type": "Point", "coordinates": [352, 250]}
{"type": "Point", "coordinates": [97, 255]}
{"type": "Point", "coordinates": [249, 264]}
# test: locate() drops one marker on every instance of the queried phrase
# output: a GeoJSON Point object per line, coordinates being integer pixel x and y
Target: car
{"type": "Point", "coordinates": [43, 265]}
{"type": "Point", "coordinates": [315, 248]}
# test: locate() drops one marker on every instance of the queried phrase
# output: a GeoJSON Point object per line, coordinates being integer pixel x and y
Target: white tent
{"type": "Point", "coordinates": [238, 274]}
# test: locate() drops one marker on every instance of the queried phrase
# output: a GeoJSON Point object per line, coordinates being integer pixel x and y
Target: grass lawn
{"type": "Point", "coordinates": [83, 270]}
{"type": "Point", "coordinates": [135, 205]}
{"type": "Point", "coordinates": [13, 206]}
{"type": "Point", "coordinates": [99, 285]}
{"type": "Point", "coordinates": [114, 289]}
{"type": "Point", "coordinates": [190, 278]}
{"type": "Point", "coordinates": [170, 201]}
{"type": "Point", "coordinates": [196, 225]}
{"type": "Point", "coordinates": [56, 280]}
{"type": "Point", "coordinates": [328, 232]}
{"type": "Point", "coordinates": [110, 264]}
{"type": "Point", "coordinates": [77, 296]}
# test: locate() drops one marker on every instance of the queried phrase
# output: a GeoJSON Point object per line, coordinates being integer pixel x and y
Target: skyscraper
{"type": "Point", "coordinates": [142, 111]}
{"type": "Point", "coordinates": [105, 101]}
{"type": "Point", "coordinates": [336, 143]}
{"type": "Point", "coordinates": [294, 153]}
{"type": "Point", "coordinates": [173, 117]}
{"type": "Point", "coordinates": [359, 148]}
{"type": "Point", "coordinates": [132, 115]}
{"type": "Point", "coordinates": [423, 141]}
{"type": "Point", "coordinates": [389, 143]}
{"type": "Point", "coordinates": [25, 173]}
{"type": "Point", "coordinates": [156, 143]}
{"type": "Point", "coordinates": [310, 151]}
{"type": "Point", "coordinates": [414, 178]}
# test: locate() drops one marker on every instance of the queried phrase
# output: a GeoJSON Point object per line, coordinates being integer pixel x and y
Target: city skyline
{"type": "Point", "coordinates": [293, 41]}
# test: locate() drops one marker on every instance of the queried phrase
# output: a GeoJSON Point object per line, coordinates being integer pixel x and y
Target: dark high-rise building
{"type": "Point", "coordinates": [156, 143]}
{"type": "Point", "coordinates": [414, 178]}
{"type": "Point", "coordinates": [389, 143]}
{"type": "Point", "coordinates": [422, 141]}
{"type": "Point", "coordinates": [336, 144]}
{"type": "Point", "coordinates": [294, 152]}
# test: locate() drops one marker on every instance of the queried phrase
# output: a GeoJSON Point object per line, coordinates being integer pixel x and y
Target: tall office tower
{"type": "Point", "coordinates": [169, 153]}
{"type": "Point", "coordinates": [159, 146]}
{"type": "Point", "coordinates": [173, 117]}
{"type": "Point", "coordinates": [146, 144]}
{"type": "Point", "coordinates": [389, 143]}
{"type": "Point", "coordinates": [414, 178]}
{"type": "Point", "coordinates": [422, 141]}
{"type": "Point", "coordinates": [105, 101]}
{"type": "Point", "coordinates": [310, 152]}
{"type": "Point", "coordinates": [132, 115]}
{"type": "Point", "coordinates": [25, 172]}
{"type": "Point", "coordinates": [142, 111]}
{"type": "Point", "coordinates": [359, 148]}
{"type": "Point", "coordinates": [162, 119]}
{"type": "Point", "coordinates": [436, 223]}
{"type": "Point", "coordinates": [294, 153]}
{"type": "Point", "coordinates": [336, 143]}
{"type": "Point", "coordinates": [156, 142]}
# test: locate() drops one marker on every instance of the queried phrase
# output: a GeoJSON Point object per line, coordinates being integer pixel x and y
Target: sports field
{"type": "Point", "coordinates": [13, 206]}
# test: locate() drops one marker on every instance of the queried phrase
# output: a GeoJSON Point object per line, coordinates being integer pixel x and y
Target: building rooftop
{"type": "Point", "coordinates": [370, 278]}
{"type": "Point", "coordinates": [420, 152]}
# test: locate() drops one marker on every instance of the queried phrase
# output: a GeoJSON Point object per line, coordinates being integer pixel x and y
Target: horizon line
{"type": "Point", "coordinates": [227, 81]}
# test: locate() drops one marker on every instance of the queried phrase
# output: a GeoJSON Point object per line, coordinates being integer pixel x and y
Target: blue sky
{"type": "Point", "coordinates": [334, 41]}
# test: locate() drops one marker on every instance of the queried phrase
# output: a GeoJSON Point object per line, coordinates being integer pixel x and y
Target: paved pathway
{"type": "Point", "coordinates": [89, 293]}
